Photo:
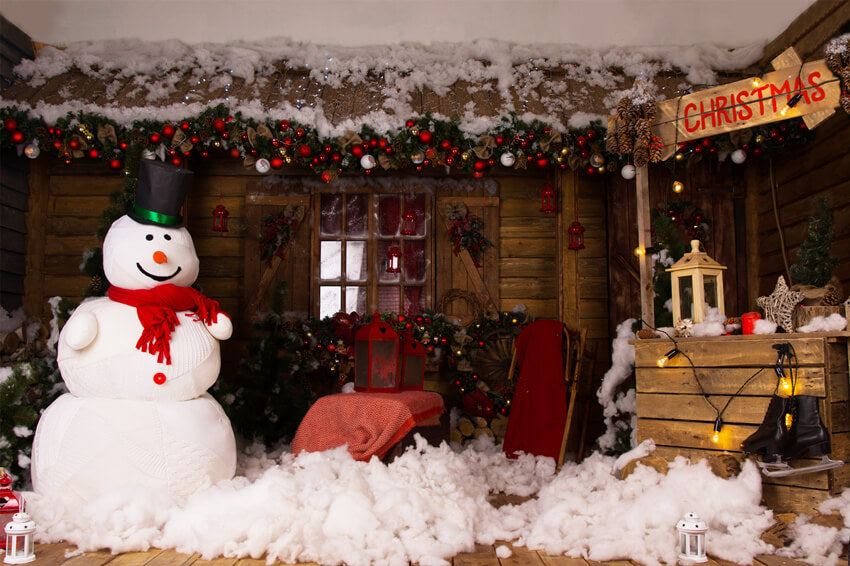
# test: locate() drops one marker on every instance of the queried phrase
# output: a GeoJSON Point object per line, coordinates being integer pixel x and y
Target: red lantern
{"type": "Point", "coordinates": [376, 350]}
{"type": "Point", "coordinates": [548, 199]}
{"type": "Point", "coordinates": [220, 215]}
{"type": "Point", "coordinates": [393, 256]}
{"type": "Point", "coordinates": [412, 364]}
{"type": "Point", "coordinates": [10, 503]}
{"type": "Point", "coordinates": [408, 222]}
{"type": "Point", "coordinates": [575, 231]}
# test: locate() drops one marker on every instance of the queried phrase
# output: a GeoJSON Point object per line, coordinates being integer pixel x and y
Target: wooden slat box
{"type": "Point", "coordinates": [672, 411]}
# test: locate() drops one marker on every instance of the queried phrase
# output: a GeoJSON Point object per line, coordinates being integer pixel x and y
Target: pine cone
{"type": "Point", "coordinates": [655, 152]}
{"type": "Point", "coordinates": [641, 156]}
{"type": "Point", "coordinates": [611, 145]}
{"type": "Point", "coordinates": [834, 293]}
{"type": "Point", "coordinates": [833, 62]}
{"type": "Point", "coordinates": [845, 76]}
{"type": "Point", "coordinates": [624, 108]}
{"type": "Point", "coordinates": [845, 102]}
{"type": "Point", "coordinates": [97, 285]}
{"type": "Point", "coordinates": [643, 133]}
{"type": "Point", "coordinates": [650, 110]}
{"type": "Point", "coordinates": [625, 142]}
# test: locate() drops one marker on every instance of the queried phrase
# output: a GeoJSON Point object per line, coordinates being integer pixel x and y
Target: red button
{"type": "Point", "coordinates": [159, 378]}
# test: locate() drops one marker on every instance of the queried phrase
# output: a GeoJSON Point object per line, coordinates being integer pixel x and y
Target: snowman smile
{"type": "Point", "coordinates": [158, 277]}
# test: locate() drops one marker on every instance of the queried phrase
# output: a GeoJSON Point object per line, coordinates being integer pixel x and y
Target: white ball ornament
{"type": "Point", "coordinates": [507, 159]}
{"type": "Point", "coordinates": [628, 171]}
{"type": "Point", "coordinates": [597, 160]}
{"type": "Point", "coordinates": [739, 156]}
{"type": "Point", "coordinates": [262, 165]}
{"type": "Point", "coordinates": [368, 161]}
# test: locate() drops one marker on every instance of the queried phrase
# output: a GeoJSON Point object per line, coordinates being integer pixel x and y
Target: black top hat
{"type": "Point", "coordinates": [160, 193]}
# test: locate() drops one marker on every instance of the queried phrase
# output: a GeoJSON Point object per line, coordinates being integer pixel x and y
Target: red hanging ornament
{"type": "Point", "coordinates": [547, 196]}
{"type": "Point", "coordinates": [576, 231]}
{"type": "Point", "coordinates": [408, 224]}
{"type": "Point", "coordinates": [17, 136]}
{"type": "Point", "coordinates": [220, 214]}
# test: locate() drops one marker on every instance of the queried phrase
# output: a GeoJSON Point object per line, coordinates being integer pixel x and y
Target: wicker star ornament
{"type": "Point", "coordinates": [779, 305]}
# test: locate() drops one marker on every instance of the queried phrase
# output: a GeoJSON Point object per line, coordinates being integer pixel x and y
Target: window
{"type": "Point", "coordinates": [356, 232]}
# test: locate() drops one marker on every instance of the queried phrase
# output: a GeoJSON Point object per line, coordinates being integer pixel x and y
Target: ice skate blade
{"type": "Point", "coordinates": [782, 470]}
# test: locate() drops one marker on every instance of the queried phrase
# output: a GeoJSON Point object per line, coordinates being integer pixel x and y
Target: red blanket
{"type": "Point", "coordinates": [539, 406]}
{"type": "Point", "coordinates": [369, 423]}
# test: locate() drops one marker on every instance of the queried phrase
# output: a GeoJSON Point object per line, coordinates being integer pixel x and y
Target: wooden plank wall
{"type": "Point", "coordinates": [802, 178]}
{"type": "Point", "coordinates": [14, 189]}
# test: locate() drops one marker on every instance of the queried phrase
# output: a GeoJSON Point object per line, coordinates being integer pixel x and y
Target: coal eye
{"type": "Point", "coordinates": [167, 237]}
{"type": "Point", "coordinates": [149, 237]}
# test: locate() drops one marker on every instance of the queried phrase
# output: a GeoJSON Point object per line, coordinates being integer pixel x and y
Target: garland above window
{"type": "Point", "coordinates": [423, 144]}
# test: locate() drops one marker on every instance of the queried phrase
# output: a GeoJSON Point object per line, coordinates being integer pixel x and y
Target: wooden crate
{"type": "Point", "coordinates": [673, 412]}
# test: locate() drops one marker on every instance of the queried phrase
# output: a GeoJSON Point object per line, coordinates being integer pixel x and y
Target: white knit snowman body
{"type": "Point", "coordinates": [132, 418]}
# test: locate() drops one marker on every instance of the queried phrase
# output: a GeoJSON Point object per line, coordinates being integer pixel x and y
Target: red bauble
{"type": "Point", "coordinates": [445, 145]}
{"type": "Point", "coordinates": [455, 150]}
{"type": "Point", "coordinates": [254, 152]}
{"type": "Point", "coordinates": [305, 151]}
{"type": "Point", "coordinates": [225, 135]}
{"type": "Point", "coordinates": [283, 125]}
{"type": "Point", "coordinates": [93, 154]}
{"type": "Point", "coordinates": [542, 162]}
{"type": "Point", "coordinates": [500, 140]}
{"type": "Point", "coordinates": [336, 157]}
{"type": "Point", "coordinates": [491, 162]}
{"type": "Point", "coordinates": [357, 151]}
{"type": "Point", "coordinates": [389, 150]}
{"type": "Point", "coordinates": [73, 144]}
{"type": "Point", "coordinates": [373, 143]}
{"type": "Point", "coordinates": [531, 136]}
{"type": "Point", "coordinates": [300, 133]}
{"type": "Point", "coordinates": [425, 136]}
{"type": "Point", "coordinates": [591, 170]}
{"type": "Point", "coordinates": [382, 143]}
{"type": "Point", "coordinates": [168, 130]}
{"type": "Point", "coordinates": [57, 144]}
{"type": "Point", "coordinates": [184, 125]}
{"type": "Point", "coordinates": [449, 160]}
{"type": "Point", "coordinates": [276, 162]}
{"type": "Point", "coordinates": [581, 141]}
{"type": "Point", "coordinates": [288, 142]}
{"type": "Point", "coordinates": [523, 143]}
{"type": "Point", "coordinates": [234, 153]}
{"type": "Point", "coordinates": [590, 134]}
{"type": "Point", "coordinates": [326, 177]}
{"type": "Point", "coordinates": [480, 165]}
{"type": "Point", "coordinates": [178, 161]}
{"type": "Point", "coordinates": [219, 124]}
{"type": "Point", "coordinates": [155, 138]}
{"type": "Point", "coordinates": [585, 153]}
{"type": "Point", "coordinates": [116, 164]}
{"type": "Point", "coordinates": [706, 142]}
{"type": "Point", "coordinates": [205, 153]}
{"type": "Point", "coordinates": [10, 124]}
{"type": "Point", "coordinates": [18, 136]}
{"type": "Point", "coordinates": [410, 123]}
{"type": "Point", "coordinates": [124, 146]}
{"type": "Point", "coordinates": [478, 174]}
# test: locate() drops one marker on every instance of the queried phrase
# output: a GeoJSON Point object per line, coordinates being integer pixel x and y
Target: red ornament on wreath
{"type": "Point", "coordinates": [220, 214]}
{"type": "Point", "coordinates": [425, 136]}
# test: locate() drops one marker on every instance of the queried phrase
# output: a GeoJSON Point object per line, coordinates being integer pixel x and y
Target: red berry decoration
{"type": "Point", "coordinates": [425, 136]}
{"type": "Point", "coordinates": [18, 136]}
{"type": "Point", "coordinates": [168, 130]}
{"type": "Point", "coordinates": [276, 162]}
{"type": "Point", "coordinates": [305, 151]}
{"type": "Point", "coordinates": [116, 164]}
{"type": "Point", "coordinates": [10, 124]}
{"type": "Point", "coordinates": [219, 124]}
{"type": "Point", "coordinates": [300, 133]}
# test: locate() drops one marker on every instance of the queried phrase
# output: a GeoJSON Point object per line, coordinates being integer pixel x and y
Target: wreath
{"type": "Point", "coordinates": [277, 230]}
{"type": "Point", "coordinates": [466, 232]}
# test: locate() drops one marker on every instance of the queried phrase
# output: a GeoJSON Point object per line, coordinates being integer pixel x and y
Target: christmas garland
{"type": "Point", "coordinates": [424, 143]}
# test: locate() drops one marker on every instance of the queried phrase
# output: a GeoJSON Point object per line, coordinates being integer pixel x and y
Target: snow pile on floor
{"type": "Point", "coordinates": [430, 504]}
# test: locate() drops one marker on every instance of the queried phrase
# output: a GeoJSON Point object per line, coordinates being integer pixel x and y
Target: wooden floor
{"type": "Point", "coordinates": [54, 555]}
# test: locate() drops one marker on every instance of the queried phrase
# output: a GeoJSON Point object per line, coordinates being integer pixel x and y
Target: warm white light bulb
{"type": "Point", "coordinates": [639, 251]}
{"type": "Point", "coordinates": [678, 187]}
{"type": "Point", "coordinates": [757, 82]}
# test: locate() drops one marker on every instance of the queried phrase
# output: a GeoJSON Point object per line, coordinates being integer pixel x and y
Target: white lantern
{"type": "Point", "coordinates": [697, 281]}
{"type": "Point", "coordinates": [19, 543]}
{"type": "Point", "coordinates": [692, 539]}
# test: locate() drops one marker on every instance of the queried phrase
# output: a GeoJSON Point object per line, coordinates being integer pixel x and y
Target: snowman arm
{"type": "Point", "coordinates": [80, 330]}
{"type": "Point", "coordinates": [222, 329]}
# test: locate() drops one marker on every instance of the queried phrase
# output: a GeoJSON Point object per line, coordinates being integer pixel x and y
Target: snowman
{"type": "Point", "coordinates": [138, 363]}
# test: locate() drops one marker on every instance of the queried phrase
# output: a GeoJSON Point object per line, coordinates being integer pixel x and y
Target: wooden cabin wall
{"type": "Point", "coordinates": [717, 188]}
{"type": "Point", "coordinates": [14, 190]}
{"type": "Point", "coordinates": [802, 177]}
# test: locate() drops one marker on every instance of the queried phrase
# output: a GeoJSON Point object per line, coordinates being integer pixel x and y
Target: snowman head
{"type": "Point", "coordinates": [142, 256]}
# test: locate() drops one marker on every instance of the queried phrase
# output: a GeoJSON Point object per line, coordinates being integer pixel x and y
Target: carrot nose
{"type": "Point", "coordinates": [160, 257]}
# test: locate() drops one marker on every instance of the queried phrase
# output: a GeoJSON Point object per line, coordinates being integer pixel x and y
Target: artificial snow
{"type": "Point", "coordinates": [763, 326]}
{"type": "Point", "coordinates": [616, 404]}
{"type": "Point", "coordinates": [832, 323]}
{"type": "Point", "coordinates": [428, 505]}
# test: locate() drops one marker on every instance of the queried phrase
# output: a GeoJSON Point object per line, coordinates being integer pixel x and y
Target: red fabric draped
{"type": "Point", "coordinates": [156, 309]}
{"type": "Point", "coordinates": [539, 406]}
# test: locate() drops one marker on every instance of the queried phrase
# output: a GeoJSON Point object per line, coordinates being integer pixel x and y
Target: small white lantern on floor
{"type": "Point", "coordinates": [19, 543]}
{"type": "Point", "coordinates": [697, 281]}
{"type": "Point", "coordinates": [692, 539]}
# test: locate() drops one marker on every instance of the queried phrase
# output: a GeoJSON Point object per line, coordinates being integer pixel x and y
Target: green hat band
{"type": "Point", "coordinates": [159, 218]}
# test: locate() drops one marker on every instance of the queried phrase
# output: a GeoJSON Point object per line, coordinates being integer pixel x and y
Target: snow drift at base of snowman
{"type": "Point", "coordinates": [138, 363]}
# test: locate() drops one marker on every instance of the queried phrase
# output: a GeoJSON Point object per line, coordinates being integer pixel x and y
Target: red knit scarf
{"type": "Point", "coordinates": [156, 311]}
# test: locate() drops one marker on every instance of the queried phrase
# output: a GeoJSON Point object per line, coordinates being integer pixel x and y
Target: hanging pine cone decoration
{"type": "Point", "coordinates": [633, 127]}
{"type": "Point", "coordinates": [97, 285]}
{"type": "Point", "coordinates": [641, 156]}
{"type": "Point", "coordinates": [650, 110]}
{"type": "Point", "coordinates": [655, 147]}
{"type": "Point", "coordinates": [838, 61]}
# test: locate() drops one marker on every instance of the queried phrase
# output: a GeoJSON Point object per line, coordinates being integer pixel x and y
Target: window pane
{"type": "Point", "coordinates": [383, 248]}
{"type": "Point", "coordinates": [355, 215]}
{"type": "Point", "coordinates": [388, 299]}
{"type": "Point", "coordinates": [330, 299]}
{"type": "Point", "coordinates": [389, 215]}
{"type": "Point", "coordinates": [414, 300]}
{"type": "Point", "coordinates": [414, 261]}
{"type": "Point", "coordinates": [355, 300]}
{"type": "Point", "coordinates": [355, 261]}
{"type": "Point", "coordinates": [330, 261]}
{"type": "Point", "coordinates": [331, 215]}
{"type": "Point", "coordinates": [417, 204]}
